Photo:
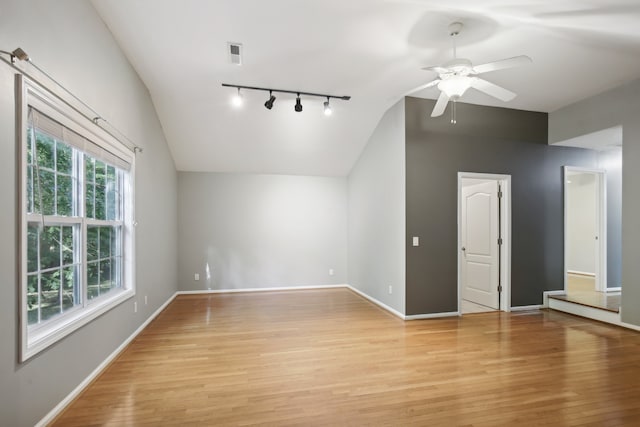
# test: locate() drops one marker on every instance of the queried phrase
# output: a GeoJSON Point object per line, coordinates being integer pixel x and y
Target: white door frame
{"type": "Point", "coordinates": [601, 215]}
{"type": "Point", "coordinates": [505, 232]}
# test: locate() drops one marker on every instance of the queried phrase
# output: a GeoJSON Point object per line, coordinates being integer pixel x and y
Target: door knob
{"type": "Point", "coordinates": [464, 249]}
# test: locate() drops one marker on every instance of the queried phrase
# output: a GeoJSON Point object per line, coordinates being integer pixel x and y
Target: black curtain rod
{"type": "Point", "coordinates": [296, 92]}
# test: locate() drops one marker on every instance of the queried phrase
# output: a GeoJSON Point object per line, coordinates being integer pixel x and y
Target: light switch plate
{"type": "Point", "coordinates": [416, 241]}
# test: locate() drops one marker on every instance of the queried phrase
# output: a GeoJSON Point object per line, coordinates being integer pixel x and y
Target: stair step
{"type": "Point", "coordinates": [600, 303]}
{"type": "Point", "coordinates": [584, 310]}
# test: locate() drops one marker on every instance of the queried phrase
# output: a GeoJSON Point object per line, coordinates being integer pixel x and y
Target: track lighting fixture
{"type": "Point", "coordinates": [237, 99]}
{"type": "Point", "coordinates": [269, 104]}
{"type": "Point", "coordinates": [327, 107]}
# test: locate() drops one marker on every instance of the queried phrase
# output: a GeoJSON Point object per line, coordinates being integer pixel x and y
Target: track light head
{"type": "Point", "coordinates": [237, 99]}
{"type": "Point", "coordinates": [327, 108]}
{"type": "Point", "coordinates": [269, 104]}
{"type": "Point", "coordinates": [298, 106]}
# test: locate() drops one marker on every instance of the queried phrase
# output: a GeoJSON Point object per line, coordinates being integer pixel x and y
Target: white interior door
{"type": "Point", "coordinates": [585, 225]}
{"type": "Point", "coordinates": [480, 232]}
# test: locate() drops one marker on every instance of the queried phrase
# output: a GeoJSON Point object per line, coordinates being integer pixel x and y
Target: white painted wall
{"type": "Point", "coordinates": [581, 223]}
{"type": "Point", "coordinates": [377, 213]}
{"type": "Point", "coordinates": [619, 106]}
{"type": "Point", "coordinates": [260, 231]}
{"type": "Point", "coordinates": [69, 40]}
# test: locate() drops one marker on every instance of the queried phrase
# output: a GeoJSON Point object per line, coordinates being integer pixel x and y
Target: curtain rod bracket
{"type": "Point", "coordinates": [19, 54]}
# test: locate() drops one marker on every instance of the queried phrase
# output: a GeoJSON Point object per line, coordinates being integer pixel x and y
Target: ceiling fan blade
{"type": "Point", "coordinates": [516, 61]}
{"type": "Point", "coordinates": [437, 69]}
{"type": "Point", "coordinates": [492, 89]}
{"type": "Point", "coordinates": [441, 105]}
{"type": "Point", "coordinates": [421, 87]}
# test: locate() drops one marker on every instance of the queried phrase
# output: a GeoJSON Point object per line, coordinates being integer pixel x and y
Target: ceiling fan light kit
{"type": "Point", "coordinates": [455, 77]}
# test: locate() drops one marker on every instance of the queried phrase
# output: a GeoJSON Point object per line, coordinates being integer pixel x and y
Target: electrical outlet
{"type": "Point", "coordinates": [196, 277]}
{"type": "Point", "coordinates": [331, 272]}
{"type": "Point", "coordinates": [145, 300]}
{"type": "Point", "coordinates": [390, 290]}
{"type": "Point", "coordinates": [135, 306]}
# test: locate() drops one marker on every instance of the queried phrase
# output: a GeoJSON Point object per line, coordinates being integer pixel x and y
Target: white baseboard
{"type": "Point", "coordinates": [584, 311]}
{"type": "Point", "coordinates": [545, 296]}
{"type": "Point", "coordinates": [272, 289]}
{"type": "Point", "coordinates": [629, 326]}
{"type": "Point", "coordinates": [98, 370]}
{"type": "Point", "coordinates": [592, 313]}
{"type": "Point", "coordinates": [376, 302]}
{"type": "Point", "coordinates": [297, 288]}
{"type": "Point", "coordinates": [432, 315]}
{"type": "Point", "coordinates": [400, 315]}
{"type": "Point", "coordinates": [614, 289]}
{"type": "Point", "coordinates": [527, 307]}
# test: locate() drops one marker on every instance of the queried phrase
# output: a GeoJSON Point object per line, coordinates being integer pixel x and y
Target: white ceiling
{"type": "Point", "coordinates": [370, 49]}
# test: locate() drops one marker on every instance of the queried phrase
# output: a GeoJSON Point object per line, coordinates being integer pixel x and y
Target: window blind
{"type": "Point", "coordinates": [47, 125]}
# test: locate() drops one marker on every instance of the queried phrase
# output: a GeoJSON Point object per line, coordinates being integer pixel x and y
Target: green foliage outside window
{"type": "Point", "coordinates": [54, 256]}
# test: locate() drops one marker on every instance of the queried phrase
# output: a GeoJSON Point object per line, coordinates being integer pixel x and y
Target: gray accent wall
{"type": "Point", "coordinates": [377, 213]}
{"type": "Point", "coordinates": [241, 231]}
{"type": "Point", "coordinates": [69, 40]}
{"type": "Point", "coordinates": [485, 140]}
{"type": "Point", "coordinates": [619, 106]}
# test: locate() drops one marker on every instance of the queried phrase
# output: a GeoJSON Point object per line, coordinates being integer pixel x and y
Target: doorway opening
{"type": "Point", "coordinates": [585, 231]}
{"type": "Point", "coordinates": [484, 242]}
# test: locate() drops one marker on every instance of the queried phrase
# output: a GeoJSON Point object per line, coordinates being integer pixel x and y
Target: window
{"type": "Point", "coordinates": [77, 217]}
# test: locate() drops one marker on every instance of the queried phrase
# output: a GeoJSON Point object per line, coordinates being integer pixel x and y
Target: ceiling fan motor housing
{"type": "Point", "coordinates": [459, 66]}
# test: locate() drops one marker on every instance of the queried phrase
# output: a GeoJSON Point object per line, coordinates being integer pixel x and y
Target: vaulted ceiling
{"type": "Point", "coordinates": [372, 50]}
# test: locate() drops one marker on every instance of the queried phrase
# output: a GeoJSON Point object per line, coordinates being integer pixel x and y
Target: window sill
{"type": "Point", "coordinates": [43, 337]}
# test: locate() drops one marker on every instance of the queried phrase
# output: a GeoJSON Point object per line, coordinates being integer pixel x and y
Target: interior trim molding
{"type": "Point", "coordinates": [591, 313]}
{"type": "Point", "coordinates": [527, 307]}
{"type": "Point", "coordinates": [272, 289]}
{"type": "Point", "coordinates": [432, 315]}
{"type": "Point", "coordinates": [545, 296]}
{"type": "Point", "coordinates": [585, 311]}
{"type": "Point", "coordinates": [61, 406]}
{"type": "Point", "coordinates": [376, 302]}
{"type": "Point", "coordinates": [581, 273]}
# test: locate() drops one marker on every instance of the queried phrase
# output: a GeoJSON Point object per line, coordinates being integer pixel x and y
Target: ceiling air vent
{"type": "Point", "coordinates": [235, 53]}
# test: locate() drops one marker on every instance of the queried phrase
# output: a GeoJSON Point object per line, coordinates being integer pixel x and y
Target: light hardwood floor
{"type": "Point", "coordinates": [329, 357]}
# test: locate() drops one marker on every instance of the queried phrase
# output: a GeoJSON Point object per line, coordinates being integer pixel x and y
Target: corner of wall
{"type": "Point", "coordinates": [376, 226]}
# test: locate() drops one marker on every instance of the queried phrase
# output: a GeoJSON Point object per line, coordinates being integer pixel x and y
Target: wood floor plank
{"type": "Point", "coordinates": [329, 357]}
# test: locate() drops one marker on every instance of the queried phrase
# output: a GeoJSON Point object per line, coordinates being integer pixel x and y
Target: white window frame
{"type": "Point", "coordinates": [35, 338]}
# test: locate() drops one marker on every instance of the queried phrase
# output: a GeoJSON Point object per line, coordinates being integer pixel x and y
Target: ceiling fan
{"type": "Point", "coordinates": [459, 74]}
